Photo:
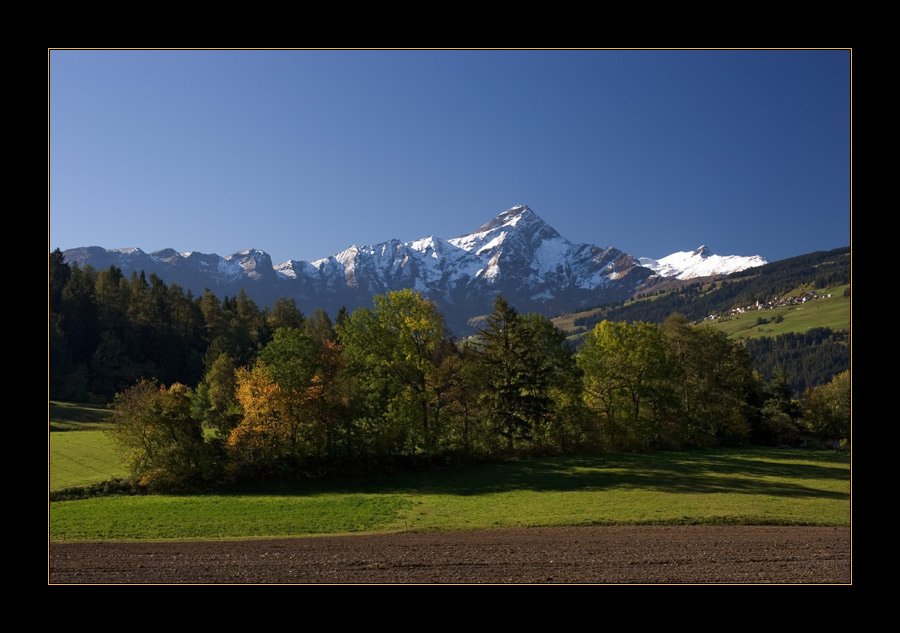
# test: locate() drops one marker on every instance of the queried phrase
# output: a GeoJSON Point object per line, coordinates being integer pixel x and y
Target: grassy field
{"type": "Point", "coordinates": [80, 452]}
{"type": "Point", "coordinates": [566, 322]}
{"type": "Point", "coordinates": [71, 416]}
{"type": "Point", "coordinates": [833, 312]}
{"type": "Point", "coordinates": [745, 486]}
{"type": "Point", "coordinates": [81, 458]}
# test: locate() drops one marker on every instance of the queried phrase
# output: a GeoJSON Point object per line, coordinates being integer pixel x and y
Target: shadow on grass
{"type": "Point", "coordinates": [69, 417]}
{"type": "Point", "coordinates": [755, 471]}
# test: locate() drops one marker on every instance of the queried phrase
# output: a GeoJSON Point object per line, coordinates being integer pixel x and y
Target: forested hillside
{"type": "Point", "coordinates": [808, 359]}
{"type": "Point", "coordinates": [106, 331]}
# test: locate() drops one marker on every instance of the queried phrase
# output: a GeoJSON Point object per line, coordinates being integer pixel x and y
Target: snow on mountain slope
{"type": "Point", "coordinates": [516, 254]}
{"type": "Point", "coordinates": [699, 263]}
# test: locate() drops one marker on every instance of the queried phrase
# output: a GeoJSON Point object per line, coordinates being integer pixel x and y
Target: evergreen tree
{"type": "Point", "coordinates": [522, 361]}
{"type": "Point", "coordinates": [285, 315]}
{"type": "Point", "coordinates": [318, 328]}
{"type": "Point", "coordinates": [58, 273]}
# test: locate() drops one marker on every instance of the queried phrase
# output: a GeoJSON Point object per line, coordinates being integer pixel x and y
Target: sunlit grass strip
{"type": "Point", "coordinates": [747, 486]}
{"type": "Point", "coordinates": [223, 516]}
{"type": "Point", "coordinates": [82, 458]}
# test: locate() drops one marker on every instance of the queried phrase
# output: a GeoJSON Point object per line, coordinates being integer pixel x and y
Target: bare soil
{"type": "Point", "coordinates": [537, 555]}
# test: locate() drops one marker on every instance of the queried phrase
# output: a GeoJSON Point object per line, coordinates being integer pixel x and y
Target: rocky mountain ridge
{"type": "Point", "coordinates": [516, 254]}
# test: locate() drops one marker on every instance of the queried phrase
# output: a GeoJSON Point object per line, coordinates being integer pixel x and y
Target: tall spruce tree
{"type": "Point", "coordinates": [522, 359]}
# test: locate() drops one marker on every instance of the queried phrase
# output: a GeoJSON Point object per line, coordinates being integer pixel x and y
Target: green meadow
{"type": "Point", "coordinates": [82, 458]}
{"type": "Point", "coordinates": [833, 312]}
{"type": "Point", "coordinates": [737, 486]}
{"type": "Point", "coordinates": [80, 451]}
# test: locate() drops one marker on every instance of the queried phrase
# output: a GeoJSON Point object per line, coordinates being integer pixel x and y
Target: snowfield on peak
{"type": "Point", "coordinates": [699, 263]}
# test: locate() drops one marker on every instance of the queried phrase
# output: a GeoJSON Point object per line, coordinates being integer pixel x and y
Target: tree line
{"type": "Point", "coordinates": [391, 391]}
{"type": "Point", "coordinates": [106, 330]}
{"type": "Point", "coordinates": [386, 387]}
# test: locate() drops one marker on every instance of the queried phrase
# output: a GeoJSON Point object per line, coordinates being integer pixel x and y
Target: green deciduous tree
{"type": "Point", "coordinates": [394, 351]}
{"type": "Point", "coordinates": [290, 357]}
{"type": "Point", "coordinates": [779, 413]}
{"type": "Point", "coordinates": [713, 380]}
{"type": "Point", "coordinates": [161, 442]}
{"type": "Point", "coordinates": [219, 407]}
{"type": "Point", "coordinates": [628, 383]}
{"type": "Point", "coordinates": [827, 408]}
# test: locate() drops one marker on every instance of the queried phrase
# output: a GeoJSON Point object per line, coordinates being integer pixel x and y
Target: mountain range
{"type": "Point", "coordinates": [516, 254]}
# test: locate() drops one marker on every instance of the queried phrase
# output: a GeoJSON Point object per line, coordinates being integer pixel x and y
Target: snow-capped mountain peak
{"type": "Point", "coordinates": [510, 217]}
{"type": "Point", "coordinates": [700, 262]}
{"type": "Point", "coordinates": [516, 253]}
{"type": "Point", "coordinates": [518, 221]}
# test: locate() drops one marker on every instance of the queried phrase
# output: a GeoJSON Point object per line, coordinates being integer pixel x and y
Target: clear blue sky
{"type": "Point", "coordinates": [304, 153]}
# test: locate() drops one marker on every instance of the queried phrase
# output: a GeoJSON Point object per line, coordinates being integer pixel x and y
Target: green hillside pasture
{"type": "Point", "coordinates": [746, 486]}
{"type": "Point", "coordinates": [82, 458]}
{"type": "Point", "coordinates": [833, 313]}
{"type": "Point", "coordinates": [566, 322]}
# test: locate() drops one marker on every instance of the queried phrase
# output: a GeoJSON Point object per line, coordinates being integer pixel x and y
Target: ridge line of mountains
{"type": "Point", "coordinates": [516, 254]}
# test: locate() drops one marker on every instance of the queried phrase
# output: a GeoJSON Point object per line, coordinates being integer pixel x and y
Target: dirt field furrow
{"type": "Point", "coordinates": [538, 555]}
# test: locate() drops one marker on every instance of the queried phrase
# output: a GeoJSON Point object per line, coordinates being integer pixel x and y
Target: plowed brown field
{"type": "Point", "coordinates": [537, 555]}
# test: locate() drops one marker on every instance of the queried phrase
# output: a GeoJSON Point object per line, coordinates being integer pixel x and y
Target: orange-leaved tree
{"type": "Point", "coordinates": [292, 401]}
{"type": "Point", "coordinates": [262, 436]}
